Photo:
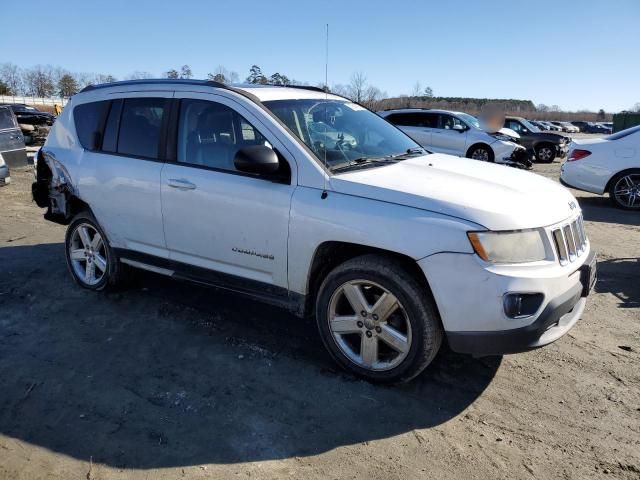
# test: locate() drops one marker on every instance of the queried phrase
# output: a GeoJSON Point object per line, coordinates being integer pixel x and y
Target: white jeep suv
{"type": "Point", "coordinates": [392, 249]}
{"type": "Point", "coordinates": [455, 133]}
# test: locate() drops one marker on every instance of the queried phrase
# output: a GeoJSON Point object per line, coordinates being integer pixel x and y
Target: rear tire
{"type": "Point", "coordinates": [624, 190]}
{"type": "Point", "coordinates": [91, 261]}
{"type": "Point", "coordinates": [378, 321]}
{"type": "Point", "coordinates": [546, 153]}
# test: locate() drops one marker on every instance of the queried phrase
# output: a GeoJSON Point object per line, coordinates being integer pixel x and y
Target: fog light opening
{"type": "Point", "coordinates": [521, 305]}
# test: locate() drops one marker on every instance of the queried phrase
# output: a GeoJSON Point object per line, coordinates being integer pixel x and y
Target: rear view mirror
{"type": "Point", "coordinates": [257, 159]}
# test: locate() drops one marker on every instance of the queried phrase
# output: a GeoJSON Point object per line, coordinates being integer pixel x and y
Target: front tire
{"type": "Point", "coordinates": [91, 261]}
{"type": "Point", "coordinates": [378, 321]}
{"type": "Point", "coordinates": [484, 153]}
{"type": "Point", "coordinates": [624, 190]}
{"type": "Point", "coordinates": [546, 153]}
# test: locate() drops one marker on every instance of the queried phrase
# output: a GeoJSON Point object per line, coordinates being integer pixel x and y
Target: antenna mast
{"type": "Point", "coordinates": [326, 98]}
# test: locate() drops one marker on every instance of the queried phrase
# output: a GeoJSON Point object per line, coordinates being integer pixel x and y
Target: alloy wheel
{"type": "Point", "coordinates": [480, 154]}
{"type": "Point", "coordinates": [369, 325]}
{"type": "Point", "coordinates": [88, 254]}
{"type": "Point", "coordinates": [627, 191]}
{"type": "Point", "coordinates": [545, 154]}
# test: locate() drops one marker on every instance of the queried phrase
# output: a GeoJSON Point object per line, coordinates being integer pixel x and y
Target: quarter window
{"type": "Point", "coordinates": [210, 134]}
{"type": "Point", "coordinates": [88, 119]}
{"type": "Point", "coordinates": [6, 119]}
{"type": "Point", "coordinates": [140, 126]}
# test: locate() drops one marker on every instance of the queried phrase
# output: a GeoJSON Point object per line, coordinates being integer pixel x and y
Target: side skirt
{"type": "Point", "coordinates": [264, 292]}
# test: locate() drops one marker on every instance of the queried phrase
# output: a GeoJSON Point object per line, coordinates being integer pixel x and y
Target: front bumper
{"type": "Point", "coordinates": [562, 150]}
{"type": "Point", "coordinates": [469, 297]}
{"type": "Point", "coordinates": [5, 178]}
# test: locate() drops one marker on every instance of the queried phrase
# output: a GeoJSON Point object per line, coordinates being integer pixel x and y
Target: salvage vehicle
{"type": "Point", "coordinates": [392, 249]}
{"type": "Point", "coordinates": [5, 173]}
{"type": "Point", "coordinates": [12, 148]}
{"type": "Point", "coordinates": [33, 123]}
{"type": "Point", "coordinates": [545, 145]}
{"type": "Point", "coordinates": [606, 165]}
{"type": "Point", "coordinates": [455, 133]}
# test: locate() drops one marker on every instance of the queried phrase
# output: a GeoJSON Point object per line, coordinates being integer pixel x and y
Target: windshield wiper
{"type": "Point", "coordinates": [358, 162]}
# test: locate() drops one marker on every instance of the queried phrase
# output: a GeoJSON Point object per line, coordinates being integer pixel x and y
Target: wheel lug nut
{"type": "Point", "coordinates": [378, 329]}
{"type": "Point", "coordinates": [369, 333]}
{"type": "Point", "coordinates": [363, 313]}
{"type": "Point", "coordinates": [360, 324]}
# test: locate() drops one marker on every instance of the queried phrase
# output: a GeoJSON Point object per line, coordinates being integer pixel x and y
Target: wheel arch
{"type": "Point", "coordinates": [330, 254]}
{"type": "Point", "coordinates": [621, 172]}
{"type": "Point", "coordinates": [480, 144]}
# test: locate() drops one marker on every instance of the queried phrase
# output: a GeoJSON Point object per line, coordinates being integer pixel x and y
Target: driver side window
{"type": "Point", "coordinates": [210, 134]}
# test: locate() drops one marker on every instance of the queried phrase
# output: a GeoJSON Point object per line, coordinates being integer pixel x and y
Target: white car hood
{"type": "Point", "coordinates": [494, 196]}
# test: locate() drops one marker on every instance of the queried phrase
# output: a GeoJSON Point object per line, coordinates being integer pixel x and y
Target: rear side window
{"type": "Point", "coordinates": [414, 119]}
{"type": "Point", "coordinates": [88, 118]}
{"type": "Point", "coordinates": [6, 119]}
{"type": "Point", "coordinates": [140, 126]}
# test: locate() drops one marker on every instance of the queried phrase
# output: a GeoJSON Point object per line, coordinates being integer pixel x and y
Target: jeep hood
{"type": "Point", "coordinates": [494, 196]}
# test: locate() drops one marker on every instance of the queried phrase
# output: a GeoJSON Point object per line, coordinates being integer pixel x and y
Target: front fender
{"type": "Point", "coordinates": [409, 231]}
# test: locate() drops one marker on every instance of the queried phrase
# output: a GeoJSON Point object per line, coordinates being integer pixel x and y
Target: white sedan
{"type": "Point", "coordinates": [606, 165]}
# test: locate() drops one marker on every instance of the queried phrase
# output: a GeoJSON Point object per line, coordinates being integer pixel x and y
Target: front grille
{"type": "Point", "coordinates": [570, 240]}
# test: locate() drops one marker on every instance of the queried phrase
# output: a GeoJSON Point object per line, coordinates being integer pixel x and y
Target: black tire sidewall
{"type": "Point", "coordinates": [88, 218]}
{"type": "Point", "coordinates": [612, 186]}
{"type": "Point", "coordinates": [540, 147]}
{"type": "Point", "coordinates": [416, 305]}
{"type": "Point", "coordinates": [488, 149]}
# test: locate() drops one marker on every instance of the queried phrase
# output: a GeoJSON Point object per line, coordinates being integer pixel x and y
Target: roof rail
{"type": "Point", "coordinates": [156, 81]}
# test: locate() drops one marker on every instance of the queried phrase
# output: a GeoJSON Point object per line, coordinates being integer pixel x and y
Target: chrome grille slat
{"type": "Point", "coordinates": [570, 240]}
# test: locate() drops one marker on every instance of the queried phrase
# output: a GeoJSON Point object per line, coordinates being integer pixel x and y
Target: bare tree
{"type": "Point", "coordinates": [417, 90]}
{"type": "Point", "coordinates": [39, 81]}
{"type": "Point", "coordinates": [185, 72]}
{"type": "Point", "coordinates": [223, 75]}
{"type": "Point", "coordinates": [357, 87]}
{"type": "Point", "coordinates": [636, 107]}
{"type": "Point", "coordinates": [428, 92]}
{"type": "Point", "coordinates": [11, 75]}
{"type": "Point", "coordinates": [139, 75]}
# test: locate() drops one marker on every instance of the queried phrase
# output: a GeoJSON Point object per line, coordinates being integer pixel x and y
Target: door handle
{"type": "Point", "coordinates": [181, 184]}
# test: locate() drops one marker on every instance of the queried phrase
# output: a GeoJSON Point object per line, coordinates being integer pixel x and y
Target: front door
{"type": "Point", "coordinates": [450, 136]}
{"type": "Point", "coordinates": [216, 217]}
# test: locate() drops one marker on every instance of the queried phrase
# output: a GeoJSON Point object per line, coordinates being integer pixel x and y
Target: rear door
{"type": "Point", "coordinates": [120, 169]}
{"type": "Point", "coordinates": [418, 125]}
{"type": "Point", "coordinates": [11, 140]}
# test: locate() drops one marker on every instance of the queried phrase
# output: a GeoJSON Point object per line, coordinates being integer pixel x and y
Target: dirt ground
{"type": "Point", "coordinates": [170, 380]}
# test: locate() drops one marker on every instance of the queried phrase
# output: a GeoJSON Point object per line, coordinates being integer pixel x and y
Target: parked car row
{"type": "Point", "coordinates": [460, 134]}
{"type": "Point", "coordinates": [575, 126]}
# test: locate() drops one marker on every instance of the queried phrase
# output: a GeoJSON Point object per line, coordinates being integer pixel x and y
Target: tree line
{"type": "Point", "coordinates": [49, 81]}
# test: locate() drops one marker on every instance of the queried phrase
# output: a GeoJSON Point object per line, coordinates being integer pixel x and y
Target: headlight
{"type": "Point", "coordinates": [509, 247]}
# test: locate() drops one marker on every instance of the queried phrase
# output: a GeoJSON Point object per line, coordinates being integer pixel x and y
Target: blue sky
{"type": "Point", "coordinates": [575, 54]}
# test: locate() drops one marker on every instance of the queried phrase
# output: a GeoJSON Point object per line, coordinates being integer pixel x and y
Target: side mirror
{"type": "Point", "coordinates": [257, 159]}
{"type": "Point", "coordinates": [459, 128]}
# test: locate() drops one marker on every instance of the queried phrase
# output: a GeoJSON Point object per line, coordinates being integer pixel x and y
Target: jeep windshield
{"type": "Point", "coordinates": [344, 135]}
